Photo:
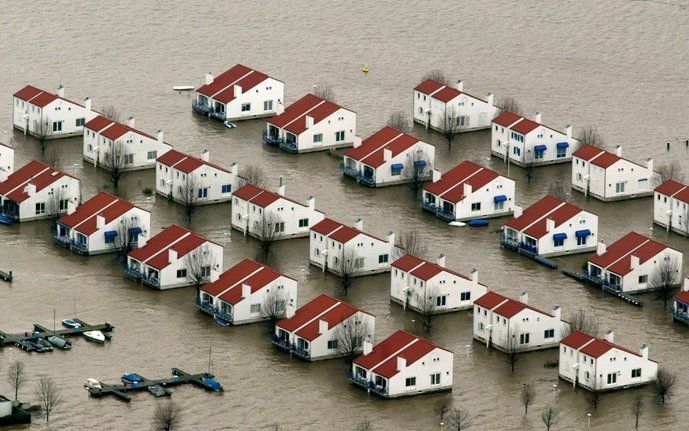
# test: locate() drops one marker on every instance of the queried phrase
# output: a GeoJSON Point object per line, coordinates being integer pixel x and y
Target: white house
{"type": "Point", "coordinates": [176, 257]}
{"type": "Point", "coordinates": [671, 207]}
{"type": "Point", "coordinates": [248, 292]}
{"type": "Point", "coordinates": [389, 157]}
{"type": "Point", "coordinates": [551, 227]}
{"type": "Point", "coordinates": [37, 191]}
{"type": "Point", "coordinates": [6, 161]}
{"type": "Point", "coordinates": [402, 365]}
{"type": "Point", "coordinates": [102, 224]}
{"type": "Point", "coordinates": [49, 115]}
{"type": "Point", "coordinates": [239, 93]}
{"type": "Point", "coordinates": [444, 108]}
{"type": "Point", "coordinates": [431, 287]}
{"type": "Point", "coordinates": [468, 191]}
{"type": "Point", "coordinates": [184, 178]}
{"type": "Point", "coordinates": [115, 145]}
{"type": "Point", "coordinates": [631, 263]}
{"type": "Point", "coordinates": [680, 304]}
{"type": "Point", "coordinates": [342, 250]}
{"type": "Point", "coordinates": [515, 326]}
{"type": "Point", "coordinates": [312, 124]}
{"type": "Point", "coordinates": [608, 177]}
{"type": "Point", "coordinates": [264, 214]}
{"type": "Point", "coordinates": [324, 328]}
{"type": "Point", "coordinates": [526, 142]}
{"type": "Point", "coordinates": [599, 365]}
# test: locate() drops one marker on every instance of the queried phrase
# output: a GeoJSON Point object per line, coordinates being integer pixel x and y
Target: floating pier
{"type": "Point", "coordinates": [179, 377]}
{"type": "Point", "coordinates": [588, 281]}
{"type": "Point", "coordinates": [40, 331]}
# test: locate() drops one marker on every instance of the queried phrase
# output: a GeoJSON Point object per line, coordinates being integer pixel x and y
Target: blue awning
{"type": "Point", "coordinates": [135, 231]}
{"type": "Point", "coordinates": [111, 234]}
{"type": "Point", "coordinates": [397, 166]}
{"type": "Point", "coordinates": [583, 232]}
{"type": "Point", "coordinates": [419, 163]}
{"type": "Point", "coordinates": [540, 148]}
{"type": "Point", "coordinates": [560, 236]}
{"type": "Point", "coordinates": [562, 144]}
{"type": "Point", "coordinates": [500, 198]}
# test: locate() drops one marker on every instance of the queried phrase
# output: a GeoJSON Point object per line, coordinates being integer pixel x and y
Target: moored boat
{"type": "Point", "coordinates": [159, 391]}
{"type": "Point", "coordinates": [71, 323]}
{"type": "Point", "coordinates": [95, 336]}
{"type": "Point", "coordinates": [60, 342]}
{"type": "Point", "coordinates": [479, 222]}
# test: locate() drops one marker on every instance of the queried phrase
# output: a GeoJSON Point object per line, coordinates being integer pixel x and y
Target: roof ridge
{"type": "Point", "coordinates": [462, 181]}
{"type": "Point", "coordinates": [256, 271]}
{"type": "Point", "coordinates": [233, 82]}
{"type": "Point", "coordinates": [560, 205]}
{"type": "Point", "coordinates": [168, 246]}
{"type": "Point", "coordinates": [318, 316]}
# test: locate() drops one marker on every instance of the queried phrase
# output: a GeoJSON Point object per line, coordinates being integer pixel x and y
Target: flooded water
{"type": "Point", "coordinates": [621, 66]}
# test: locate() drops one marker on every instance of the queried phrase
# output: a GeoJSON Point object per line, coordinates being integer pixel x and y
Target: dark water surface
{"type": "Point", "coordinates": [622, 66]}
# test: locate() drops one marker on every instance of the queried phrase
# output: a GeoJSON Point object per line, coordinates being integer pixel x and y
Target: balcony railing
{"type": "Point", "coordinates": [290, 147]}
{"type": "Point", "coordinates": [361, 381]}
{"type": "Point", "coordinates": [200, 108]}
{"type": "Point", "coordinates": [227, 317]}
{"type": "Point", "coordinates": [300, 353]}
{"type": "Point", "coordinates": [682, 316]}
{"type": "Point", "coordinates": [445, 214]}
{"type": "Point", "coordinates": [217, 115]}
{"type": "Point", "coordinates": [281, 342]}
{"type": "Point", "coordinates": [352, 172]}
{"type": "Point", "coordinates": [133, 273]}
{"type": "Point", "coordinates": [11, 213]}
{"type": "Point", "coordinates": [366, 180]}
{"type": "Point", "coordinates": [271, 140]}
{"type": "Point", "coordinates": [63, 240]}
{"type": "Point", "coordinates": [368, 385]}
{"type": "Point", "coordinates": [205, 306]}
{"type": "Point", "coordinates": [80, 247]}
{"type": "Point", "coordinates": [429, 206]}
{"type": "Point", "coordinates": [151, 281]}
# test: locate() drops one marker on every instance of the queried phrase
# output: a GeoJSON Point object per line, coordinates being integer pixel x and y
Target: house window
{"type": "Point", "coordinates": [318, 137]}
{"type": "Point", "coordinates": [57, 126]}
{"type": "Point", "coordinates": [203, 193]}
{"type": "Point", "coordinates": [304, 222]}
{"type": "Point", "coordinates": [279, 227]}
{"type": "Point", "coordinates": [268, 105]}
{"type": "Point", "coordinates": [465, 296]}
{"type": "Point", "coordinates": [559, 242]}
{"type": "Point", "coordinates": [410, 381]}
{"type": "Point", "coordinates": [523, 338]}
{"type": "Point", "coordinates": [440, 301]}
{"type": "Point", "coordinates": [151, 155]}
{"type": "Point", "coordinates": [517, 137]}
{"type": "Point", "coordinates": [643, 279]}
{"type": "Point", "coordinates": [181, 273]}
{"type": "Point", "coordinates": [80, 122]}
{"type": "Point", "coordinates": [339, 136]}
{"type": "Point", "coordinates": [549, 333]}
{"type": "Point", "coordinates": [255, 308]}
{"type": "Point", "coordinates": [246, 107]}
{"type": "Point", "coordinates": [128, 159]}
{"type": "Point", "coordinates": [435, 379]}
{"type": "Point", "coordinates": [538, 154]}
{"type": "Point", "coordinates": [561, 152]}
{"type": "Point", "coordinates": [332, 344]}
{"type": "Point", "coordinates": [636, 373]}
{"type": "Point", "coordinates": [476, 206]}
{"type": "Point", "coordinates": [383, 258]}
{"type": "Point", "coordinates": [581, 240]}
{"type": "Point", "coordinates": [517, 151]}
{"type": "Point", "coordinates": [226, 188]}
{"type": "Point", "coordinates": [612, 378]}
{"type": "Point", "coordinates": [358, 262]}
{"type": "Point", "coordinates": [40, 208]}
{"type": "Point", "coordinates": [205, 271]}
{"type": "Point", "coordinates": [619, 188]}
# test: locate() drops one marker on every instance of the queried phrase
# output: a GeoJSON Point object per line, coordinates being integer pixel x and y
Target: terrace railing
{"type": "Point", "coordinates": [290, 147]}
{"type": "Point", "coordinates": [271, 140]}
{"type": "Point", "coordinates": [682, 316]}
{"type": "Point", "coordinates": [200, 108]}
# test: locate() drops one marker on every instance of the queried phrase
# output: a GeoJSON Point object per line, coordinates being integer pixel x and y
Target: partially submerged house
{"type": "Point", "coordinates": [6, 161]}
{"type": "Point", "coordinates": [671, 207]}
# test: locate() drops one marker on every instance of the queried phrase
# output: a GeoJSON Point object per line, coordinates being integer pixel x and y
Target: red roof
{"type": "Point", "coordinates": [34, 172]}
{"type": "Point", "coordinates": [345, 234]}
{"type": "Point", "coordinates": [670, 187]}
{"type": "Point", "coordinates": [338, 232]}
{"type": "Point", "coordinates": [592, 346]}
{"type": "Point", "coordinates": [407, 262]}
{"type": "Point", "coordinates": [534, 213]}
{"type": "Point", "coordinates": [422, 269]}
{"type": "Point", "coordinates": [506, 307]}
{"type": "Point", "coordinates": [429, 86]}
{"type": "Point", "coordinates": [576, 339]}
{"type": "Point", "coordinates": [246, 83]}
{"type": "Point", "coordinates": [683, 195]}
{"type": "Point", "coordinates": [259, 196]}
{"type": "Point", "coordinates": [225, 79]}
{"type": "Point", "coordinates": [490, 300]}
{"type": "Point", "coordinates": [507, 118]}
{"type": "Point", "coordinates": [450, 186]}
{"type": "Point", "coordinates": [104, 204]}
{"type": "Point", "coordinates": [596, 156]}
{"type": "Point", "coordinates": [372, 148]}
{"type": "Point", "coordinates": [228, 287]}
{"type": "Point", "coordinates": [682, 296]}
{"type": "Point", "coordinates": [617, 257]}
{"type": "Point", "coordinates": [27, 93]}
{"type": "Point", "coordinates": [560, 216]}
{"type": "Point", "coordinates": [295, 110]}
{"type": "Point", "coordinates": [184, 162]}
{"type": "Point", "coordinates": [43, 99]}
{"type": "Point", "coordinates": [446, 94]}
{"type": "Point", "coordinates": [112, 130]}
{"type": "Point", "coordinates": [383, 358]}
{"type": "Point", "coordinates": [293, 119]}
{"type": "Point", "coordinates": [155, 252]}
{"type": "Point", "coordinates": [326, 226]}
{"type": "Point", "coordinates": [308, 312]}
{"type": "Point", "coordinates": [333, 317]}
{"type": "Point", "coordinates": [98, 123]}
{"type": "Point", "coordinates": [39, 97]}
{"type": "Point", "coordinates": [524, 126]}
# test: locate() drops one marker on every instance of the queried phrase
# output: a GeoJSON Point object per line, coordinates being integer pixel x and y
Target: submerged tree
{"type": "Point", "coordinates": [274, 307]}
{"type": "Point", "coordinates": [167, 416]}
{"type": "Point", "coordinates": [549, 416]}
{"type": "Point", "coordinates": [527, 396]}
{"type": "Point", "coordinates": [55, 205]}
{"type": "Point", "coordinates": [511, 104]}
{"type": "Point", "coordinates": [529, 167]}
{"type": "Point", "coordinates": [267, 232]}
{"type": "Point", "coordinates": [638, 408]}
{"type": "Point", "coordinates": [350, 336]}
{"type": "Point", "coordinates": [442, 409]}
{"type": "Point", "coordinates": [364, 425]}
{"type": "Point", "coordinates": [580, 321]}
{"type": "Point", "coordinates": [449, 125]}
{"type": "Point", "coordinates": [459, 420]}
{"type": "Point", "coordinates": [116, 162]}
{"type": "Point", "coordinates": [664, 385]}
{"type": "Point", "coordinates": [252, 174]}
{"type": "Point", "coordinates": [189, 196]}
{"type": "Point", "coordinates": [665, 279]}
{"type": "Point", "coordinates": [426, 306]}
{"type": "Point", "coordinates": [109, 112]}
{"type": "Point", "coordinates": [669, 171]}
{"type": "Point", "coordinates": [436, 75]}
{"type": "Point", "coordinates": [347, 266]}
{"type": "Point", "coordinates": [417, 170]}
{"type": "Point", "coordinates": [16, 377]}
{"type": "Point", "coordinates": [127, 235]}
{"type": "Point", "coordinates": [199, 264]}
{"type": "Point", "coordinates": [398, 120]}
{"type": "Point", "coordinates": [512, 349]}
{"type": "Point", "coordinates": [324, 91]}
{"type": "Point", "coordinates": [48, 395]}
{"type": "Point", "coordinates": [43, 129]}
{"type": "Point", "coordinates": [590, 136]}
{"type": "Point", "coordinates": [410, 242]}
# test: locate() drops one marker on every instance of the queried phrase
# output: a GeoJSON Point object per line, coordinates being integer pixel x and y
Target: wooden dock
{"type": "Point", "coordinates": [179, 377]}
{"type": "Point", "coordinates": [19, 340]}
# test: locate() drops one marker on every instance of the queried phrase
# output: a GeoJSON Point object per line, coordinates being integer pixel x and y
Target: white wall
{"type": "Point", "coordinates": [241, 311]}
{"type": "Point", "coordinates": [168, 276]}
{"type": "Point", "coordinates": [6, 162]}
{"type": "Point", "coordinates": [501, 140]}
{"type": "Point", "coordinates": [248, 215]}
{"type": "Point", "coordinates": [59, 110]}
{"type": "Point", "coordinates": [145, 150]}
{"type": "Point", "coordinates": [270, 89]}
{"type": "Point", "coordinates": [581, 221]}
{"type": "Point", "coordinates": [477, 113]}
{"type": "Point", "coordinates": [437, 361]}
{"type": "Point", "coordinates": [340, 120]}
{"type": "Point", "coordinates": [602, 183]}
{"type": "Point", "coordinates": [361, 246]}
{"type": "Point", "coordinates": [677, 220]}
{"type": "Point", "coordinates": [69, 188]}
{"type": "Point", "coordinates": [499, 186]}
{"type": "Point", "coordinates": [383, 174]}
{"type": "Point", "coordinates": [96, 241]}
{"type": "Point", "coordinates": [170, 180]}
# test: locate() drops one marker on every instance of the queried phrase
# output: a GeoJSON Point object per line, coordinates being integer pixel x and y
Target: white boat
{"type": "Point", "coordinates": [229, 125]}
{"type": "Point", "coordinates": [457, 223]}
{"type": "Point", "coordinates": [95, 336]}
{"type": "Point", "coordinates": [92, 383]}
{"type": "Point", "coordinates": [183, 87]}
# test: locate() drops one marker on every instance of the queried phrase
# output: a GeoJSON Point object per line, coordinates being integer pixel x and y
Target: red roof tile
{"type": "Point", "coordinates": [84, 219]}
{"type": "Point", "coordinates": [587, 152]}
{"type": "Point", "coordinates": [682, 296]}
{"type": "Point", "coordinates": [98, 123]}
{"type": "Point", "coordinates": [534, 213]}
{"type": "Point", "coordinates": [513, 307]}
{"type": "Point", "coordinates": [669, 187]}
{"type": "Point", "coordinates": [295, 110]}
{"type": "Point", "coordinates": [428, 86]}
{"type": "Point", "coordinates": [683, 195]}
{"type": "Point", "coordinates": [34, 172]}
{"type": "Point", "coordinates": [184, 246]}
{"type": "Point", "coordinates": [524, 126]}
{"type": "Point", "coordinates": [231, 277]}
{"type": "Point", "coordinates": [256, 281]}
{"type": "Point", "coordinates": [308, 312]}
{"type": "Point", "coordinates": [259, 196]}
{"type": "Point", "coordinates": [451, 184]}
{"type": "Point", "coordinates": [226, 78]}
{"type": "Point", "coordinates": [576, 339]}
{"type": "Point", "coordinates": [592, 346]}
{"type": "Point", "coordinates": [490, 300]}
{"type": "Point", "coordinates": [446, 94]}
{"type": "Point", "coordinates": [560, 216]}
{"type": "Point", "coordinates": [333, 317]}
{"type": "Point", "coordinates": [326, 226]}
{"type": "Point", "coordinates": [43, 99]}
{"type": "Point", "coordinates": [39, 97]}
{"type": "Point", "coordinates": [617, 257]}
{"type": "Point", "coordinates": [507, 118]}
{"type": "Point", "coordinates": [371, 151]}
{"type": "Point", "coordinates": [159, 242]}
{"type": "Point", "coordinates": [407, 262]}
{"type": "Point", "coordinates": [27, 93]}
{"type": "Point", "coordinates": [319, 113]}
{"type": "Point", "coordinates": [345, 234]}
{"type": "Point", "coordinates": [597, 156]}
{"type": "Point", "coordinates": [383, 359]}
{"type": "Point", "coordinates": [112, 130]}
{"type": "Point", "coordinates": [605, 160]}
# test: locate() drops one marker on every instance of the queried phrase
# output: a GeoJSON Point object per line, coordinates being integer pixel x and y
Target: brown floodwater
{"type": "Point", "coordinates": [622, 66]}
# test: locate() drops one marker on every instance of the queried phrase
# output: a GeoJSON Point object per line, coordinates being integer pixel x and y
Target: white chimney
{"type": "Point", "coordinates": [171, 255]}
{"type": "Point", "coordinates": [643, 351]}
{"type": "Point", "coordinates": [391, 238]}
{"type": "Point", "coordinates": [322, 326]}
{"type": "Point", "coordinates": [357, 141]}
{"type": "Point", "coordinates": [281, 188]}
{"type": "Point", "coordinates": [71, 207]}
{"type": "Point", "coordinates": [311, 202]}
{"type": "Point", "coordinates": [61, 90]}
{"type": "Point", "coordinates": [160, 136]}
{"type": "Point", "coordinates": [30, 189]}
{"type": "Point", "coordinates": [436, 175]}
{"type": "Point", "coordinates": [401, 363]}
{"type": "Point", "coordinates": [460, 85]}
{"type": "Point", "coordinates": [467, 189]}
{"type": "Point", "coordinates": [474, 275]}
{"type": "Point", "coordinates": [280, 108]}
{"type": "Point", "coordinates": [234, 168]}
{"type": "Point", "coordinates": [634, 261]}
{"type": "Point", "coordinates": [309, 121]}
{"type": "Point", "coordinates": [489, 99]}
{"type": "Point", "coordinates": [609, 336]}
{"type": "Point", "coordinates": [237, 90]}
{"type": "Point", "coordinates": [206, 155]}
{"type": "Point", "coordinates": [359, 224]}
{"type": "Point", "coordinates": [387, 154]}
{"type": "Point", "coordinates": [246, 290]}
{"type": "Point", "coordinates": [557, 312]}
{"type": "Point", "coordinates": [209, 78]}
{"type": "Point", "coordinates": [100, 222]}
{"type": "Point", "coordinates": [87, 103]}
{"type": "Point", "coordinates": [537, 117]}
{"type": "Point", "coordinates": [549, 224]}
{"type": "Point", "coordinates": [568, 131]}
{"type": "Point", "coordinates": [618, 151]}
{"type": "Point", "coordinates": [141, 240]}
{"type": "Point", "coordinates": [368, 347]}
{"type": "Point", "coordinates": [685, 286]}
{"type": "Point", "coordinates": [518, 211]}
{"type": "Point", "coordinates": [440, 260]}
{"type": "Point", "coordinates": [649, 164]}
{"type": "Point", "coordinates": [524, 297]}
{"type": "Point", "coordinates": [215, 275]}
{"type": "Point", "coordinates": [600, 248]}
{"type": "Point", "coordinates": [131, 121]}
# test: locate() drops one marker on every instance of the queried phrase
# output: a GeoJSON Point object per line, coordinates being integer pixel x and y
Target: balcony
{"type": "Point", "coordinates": [272, 139]}
{"type": "Point", "coordinates": [429, 206]}
{"type": "Point", "coordinates": [206, 307]}
{"type": "Point", "coordinates": [445, 214]}
{"type": "Point", "coordinates": [301, 353]}
{"type": "Point", "coordinates": [509, 242]}
{"type": "Point", "coordinates": [81, 248]}
{"type": "Point", "coordinates": [62, 240]}
{"type": "Point", "coordinates": [200, 108]}
{"type": "Point", "coordinates": [682, 316]}
{"type": "Point", "coordinates": [151, 281]}
{"type": "Point", "coordinates": [368, 385]}
{"type": "Point", "coordinates": [290, 147]}
{"type": "Point", "coordinates": [281, 343]}
{"type": "Point", "coordinates": [223, 318]}
{"type": "Point", "coordinates": [366, 180]}
{"type": "Point", "coordinates": [11, 213]}
{"type": "Point", "coordinates": [350, 172]}
{"type": "Point", "coordinates": [133, 274]}
{"type": "Point", "coordinates": [217, 115]}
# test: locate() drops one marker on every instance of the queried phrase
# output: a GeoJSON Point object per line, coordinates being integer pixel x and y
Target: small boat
{"type": "Point", "coordinates": [132, 378]}
{"type": "Point", "coordinates": [95, 336]}
{"type": "Point", "coordinates": [229, 125]}
{"type": "Point", "coordinates": [92, 384]}
{"type": "Point", "coordinates": [34, 346]}
{"type": "Point", "coordinates": [183, 87]}
{"type": "Point", "coordinates": [71, 323]}
{"type": "Point", "coordinates": [479, 222]}
{"type": "Point", "coordinates": [213, 384]}
{"type": "Point", "coordinates": [222, 322]}
{"type": "Point", "coordinates": [159, 391]}
{"type": "Point", "coordinates": [45, 344]}
{"type": "Point", "coordinates": [457, 223]}
{"type": "Point", "coordinates": [60, 342]}
{"type": "Point", "coordinates": [4, 219]}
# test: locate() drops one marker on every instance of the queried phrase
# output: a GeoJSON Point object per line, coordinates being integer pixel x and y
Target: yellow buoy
{"type": "Point", "coordinates": [365, 69]}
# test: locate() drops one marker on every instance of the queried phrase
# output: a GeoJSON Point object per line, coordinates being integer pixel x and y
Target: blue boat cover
{"type": "Point", "coordinates": [500, 198]}
{"type": "Point", "coordinates": [213, 384]}
{"type": "Point", "coordinates": [135, 230]}
{"type": "Point", "coordinates": [540, 148]}
{"type": "Point", "coordinates": [132, 377]}
{"type": "Point", "coordinates": [562, 144]}
{"type": "Point", "coordinates": [560, 236]}
{"type": "Point", "coordinates": [110, 234]}
{"type": "Point", "coordinates": [583, 232]}
{"type": "Point", "coordinates": [4, 219]}
{"type": "Point", "coordinates": [419, 163]}
{"type": "Point", "coordinates": [478, 222]}
{"type": "Point", "coordinates": [397, 166]}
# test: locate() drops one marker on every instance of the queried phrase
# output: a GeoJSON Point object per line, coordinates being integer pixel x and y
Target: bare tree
{"type": "Point", "coordinates": [55, 205]}
{"type": "Point", "coordinates": [167, 416]}
{"type": "Point", "coordinates": [398, 120]}
{"type": "Point", "coordinates": [637, 410]}
{"type": "Point", "coordinates": [16, 377]}
{"type": "Point", "coordinates": [436, 75]}
{"type": "Point", "coordinates": [52, 159]}
{"type": "Point", "coordinates": [189, 196]}
{"type": "Point", "coordinates": [252, 175]}
{"type": "Point", "coordinates": [558, 190]}
{"type": "Point", "coordinates": [350, 335]}
{"type": "Point", "coordinates": [268, 231]}
{"type": "Point", "coordinates": [347, 268]}
{"type": "Point", "coordinates": [580, 321]}
{"type": "Point", "coordinates": [364, 425]}
{"type": "Point", "coordinates": [274, 307]}
{"type": "Point", "coordinates": [511, 104]}
{"type": "Point", "coordinates": [459, 420]}
{"type": "Point", "coordinates": [417, 170]}
{"type": "Point", "coordinates": [48, 394]}
{"type": "Point", "coordinates": [665, 279]}
{"type": "Point", "coordinates": [442, 409]}
{"type": "Point", "coordinates": [527, 396]}
{"type": "Point", "coordinates": [664, 385]}
{"type": "Point", "coordinates": [199, 263]}
{"type": "Point", "coordinates": [426, 307]}
{"type": "Point", "coordinates": [109, 112]}
{"type": "Point", "coordinates": [669, 171]}
{"type": "Point", "coordinates": [324, 91]}
{"type": "Point", "coordinates": [512, 349]}
{"type": "Point", "coordinates": [116, 162]}
{"type": "Point", "coordinates": [529, 167]}
{"type": "Point", "coordinates": [549, 417]}
{"type": "Point", "coordinates": [126, 237]}
{"type": "Point", "coordinates": [410, 242]}
{"type": "Point", "coordinates": [43, 129]}
{"type": "Point", "coordinates": [449, 124]}
{"type": "Point", "coordinates": [590, 136]}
